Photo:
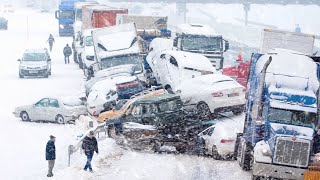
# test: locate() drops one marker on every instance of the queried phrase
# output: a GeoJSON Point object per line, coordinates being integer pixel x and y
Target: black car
{"type": "Point", "coordinates": [3, 23]}
{"type": "Point", "coordinates": [156, 123]}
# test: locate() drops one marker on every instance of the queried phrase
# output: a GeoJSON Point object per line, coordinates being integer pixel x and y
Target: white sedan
{"type": "Point", "coordinates": [219, 140]}
{"type": "Point", "coordinates": [212, 93]}
{"type": "Point", "coordinates": [52, 110]}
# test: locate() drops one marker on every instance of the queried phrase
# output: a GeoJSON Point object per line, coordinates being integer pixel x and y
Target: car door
{"type": "Point", "coordinates": [39, 110]}
{"type": "Point", "coordinates": [53, 109]}
{"type": "Point", "coordinates": [206, 135]}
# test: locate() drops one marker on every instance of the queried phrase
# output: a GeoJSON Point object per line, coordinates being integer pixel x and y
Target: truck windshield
{"type": "Point", "coordinates": [78, 14]}
{"type": "Point", "coordinates": [34, 57]}
{"type": "Point", "coordinates": [89, 41]}
{"type": "Point", "coordinates": [66, 14]}
{"type": "Point", "coordinates": [299, 118]}
{"type": "Point", "coordinates": [135, 59]}
{"type": "Point", "coordinates": [201, 43]}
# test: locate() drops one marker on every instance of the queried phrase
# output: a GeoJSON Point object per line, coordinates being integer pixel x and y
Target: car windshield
{"type": "Point", "coordinates": [66, 14]}
{"type": "Point", "coordinates": [126, 90]}
{"type": "Point", "coordinates": [78, 15]}
{"type": "Point", "coordinates": [168, 106]}
{"type": "Point", "coordinates": [34, 57]}
{"type": "Point", "coordinates": [201, 43]}
{"type": "Point", "coordinates": [299, 118]}
{"type": "Point", "coordinates": [89, 41]}
{"type": "Point", "coordinates": [123, 60]}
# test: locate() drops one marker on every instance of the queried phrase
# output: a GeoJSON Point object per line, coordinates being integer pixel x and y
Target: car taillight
{"type": "Point", "coordinates": [127, 84]}
{"type": "Point", "coordinates": [226, 140]}
{"type": "Point", "coordinates": [217, 94]}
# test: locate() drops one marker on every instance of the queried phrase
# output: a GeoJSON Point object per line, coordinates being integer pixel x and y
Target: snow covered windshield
{"type": "Point", "coordinates": [292, 117]}
{"type": "Point", "coordinates": [89, 41]}
{"type": "Point", "coordinates": [66, 14]}
{"type": "Point", "coordinates": [201, 43]}
{"type": "Point", "coordinates": [135, 59]}
{"type": "Point", "coordinates": [34, 57]}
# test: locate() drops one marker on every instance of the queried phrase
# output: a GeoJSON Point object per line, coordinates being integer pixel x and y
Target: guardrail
{"type": "Point", "coordinates": [99, 130]}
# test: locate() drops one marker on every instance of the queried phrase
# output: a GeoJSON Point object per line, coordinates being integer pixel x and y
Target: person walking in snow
{"type": "Point", "coordinates": [89, 145]}
{"type": "Point", "coordinates": [50, 41]}
{"type": "Point", "coordinates": [67, 51]}
{"type": "Point", "coordinates": [51, 155]}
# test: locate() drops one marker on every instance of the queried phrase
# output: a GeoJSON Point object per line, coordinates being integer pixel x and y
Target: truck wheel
{"type": "Point", "coordinates": [60, 119]}
{"type": "Point", "coordinates": [203, 110]}
{"type": "Point", "coordinates": [246, 157]}
{"type": "Point", "coordinates": [24, 116]}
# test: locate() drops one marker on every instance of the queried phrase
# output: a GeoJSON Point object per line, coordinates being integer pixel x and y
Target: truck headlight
{"type": "Point", "coordinates": [61, 26]}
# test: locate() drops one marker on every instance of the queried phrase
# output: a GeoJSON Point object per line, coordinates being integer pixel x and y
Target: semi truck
{"type": "Point", "coordinates": [148, 27]}
{"type": "Point", "coordinates": [99, 16]}
{"type": "Point", "coordinates": [65, 16]}
{"type": "Point", "coordinates": [116, 45]}
{"type": "Point", "coordinates": [78, 14]}
{"type": "Point", "coordinates": [201, 39]}
{"type": "Point", "coordinates": [303, 43]}
{"type": "Point", "coordinates": [280, 136]}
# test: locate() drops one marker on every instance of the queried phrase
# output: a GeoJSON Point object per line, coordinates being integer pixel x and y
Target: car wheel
{"type": "Point", "coordinates": [20, 75]}
{"type": "Point", "coordinates": [60, 119]}
{"type": "Point", "coordinates": [215, 154]}
{"type": "Point", "coordinates": [24, 116]}
{"type": "Point", "coordinates": [203, 110]}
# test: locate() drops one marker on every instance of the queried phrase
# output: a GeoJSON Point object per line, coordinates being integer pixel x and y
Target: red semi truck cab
{"type": "Point", "coordinates": [99, 16]}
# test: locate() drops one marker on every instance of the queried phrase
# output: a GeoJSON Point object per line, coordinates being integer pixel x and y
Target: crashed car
{"type": "Point", "coordinates": [157, 124]}
{"type": "Point", "coordinates": [122, 105]}
{"type": "Point", "coordinates": [52, 110]}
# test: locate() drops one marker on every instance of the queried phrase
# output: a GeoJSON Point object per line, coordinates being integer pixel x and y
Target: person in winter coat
{"type": "Point", "coordinates": [50, 41]}
{"type": "Point", "coordinates": [89, 145]}
{"type": "Point", "coordinates": [67, 51]}
{"type": "Point", "coordinates": [51, 155]}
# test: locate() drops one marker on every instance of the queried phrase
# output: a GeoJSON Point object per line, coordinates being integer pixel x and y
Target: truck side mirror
{"type": "Point", "coordinates": [175, 42]}
{"type": "Point", "coordinates": [57, 14]}
{"type": "Point", "coordinates": [226, 46]}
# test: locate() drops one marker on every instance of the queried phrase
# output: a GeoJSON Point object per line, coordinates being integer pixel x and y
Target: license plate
{"type": "Point", "coordinates": [233, 94]}
{"type": "Point", "coordinates": [33, 72]}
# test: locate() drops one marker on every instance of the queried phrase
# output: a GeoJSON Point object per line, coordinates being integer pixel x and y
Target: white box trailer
{"type": "Point", "coordinates": [299, 42]}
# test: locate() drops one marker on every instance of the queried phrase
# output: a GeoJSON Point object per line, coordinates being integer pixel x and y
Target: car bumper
{"type": "Point", "coordinates": [39, 72]}
{"type": "Point", "coordinates": [277, 171]}
{"type": "Point", "coordinates": [224, 105]}
{"type": "Point", "coordinates": [16, 114]}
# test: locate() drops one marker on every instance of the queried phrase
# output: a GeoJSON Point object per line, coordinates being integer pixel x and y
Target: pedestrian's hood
{"type": "Point", "coordinates": [115, 40]}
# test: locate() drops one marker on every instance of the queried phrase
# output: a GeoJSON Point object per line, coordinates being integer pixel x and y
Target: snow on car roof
{"type": "Point", "coordinates": [128, 68]}
{"type": "Point", "coordinates": [191, 60]}
{"type": "Point", "coordinates": [290, 69]}
{"type": "Point", "coordinates": [196, 29]}
{"type": "Point", "coordinates": [35, 51]}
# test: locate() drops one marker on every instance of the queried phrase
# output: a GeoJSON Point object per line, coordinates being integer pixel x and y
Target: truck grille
{"type": "Point", "coordinates": [292, 152]}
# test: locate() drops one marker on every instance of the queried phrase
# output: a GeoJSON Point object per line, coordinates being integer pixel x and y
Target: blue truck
{"type": "Point", "coordinates": [280, 137]}
{"type": "Point", "coordinates": [65, 16]}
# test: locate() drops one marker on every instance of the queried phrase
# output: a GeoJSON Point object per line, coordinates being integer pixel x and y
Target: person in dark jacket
{"type": "Point", "coordinates": [50, 41]}
{"type": "Point", "coordinates": [89, 145]}
{"type": "Point", "coordinates": [67, 51]}
{"type": "Point", "coordinates": [51, 155]}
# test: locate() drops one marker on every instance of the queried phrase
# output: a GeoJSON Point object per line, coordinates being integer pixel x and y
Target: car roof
{"type": "Point", "coordinates": [190, 60]}
{"type": "Point", "coordinates": [157, 98]}
{"type": "Point", "coordinates": [35, 51]}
